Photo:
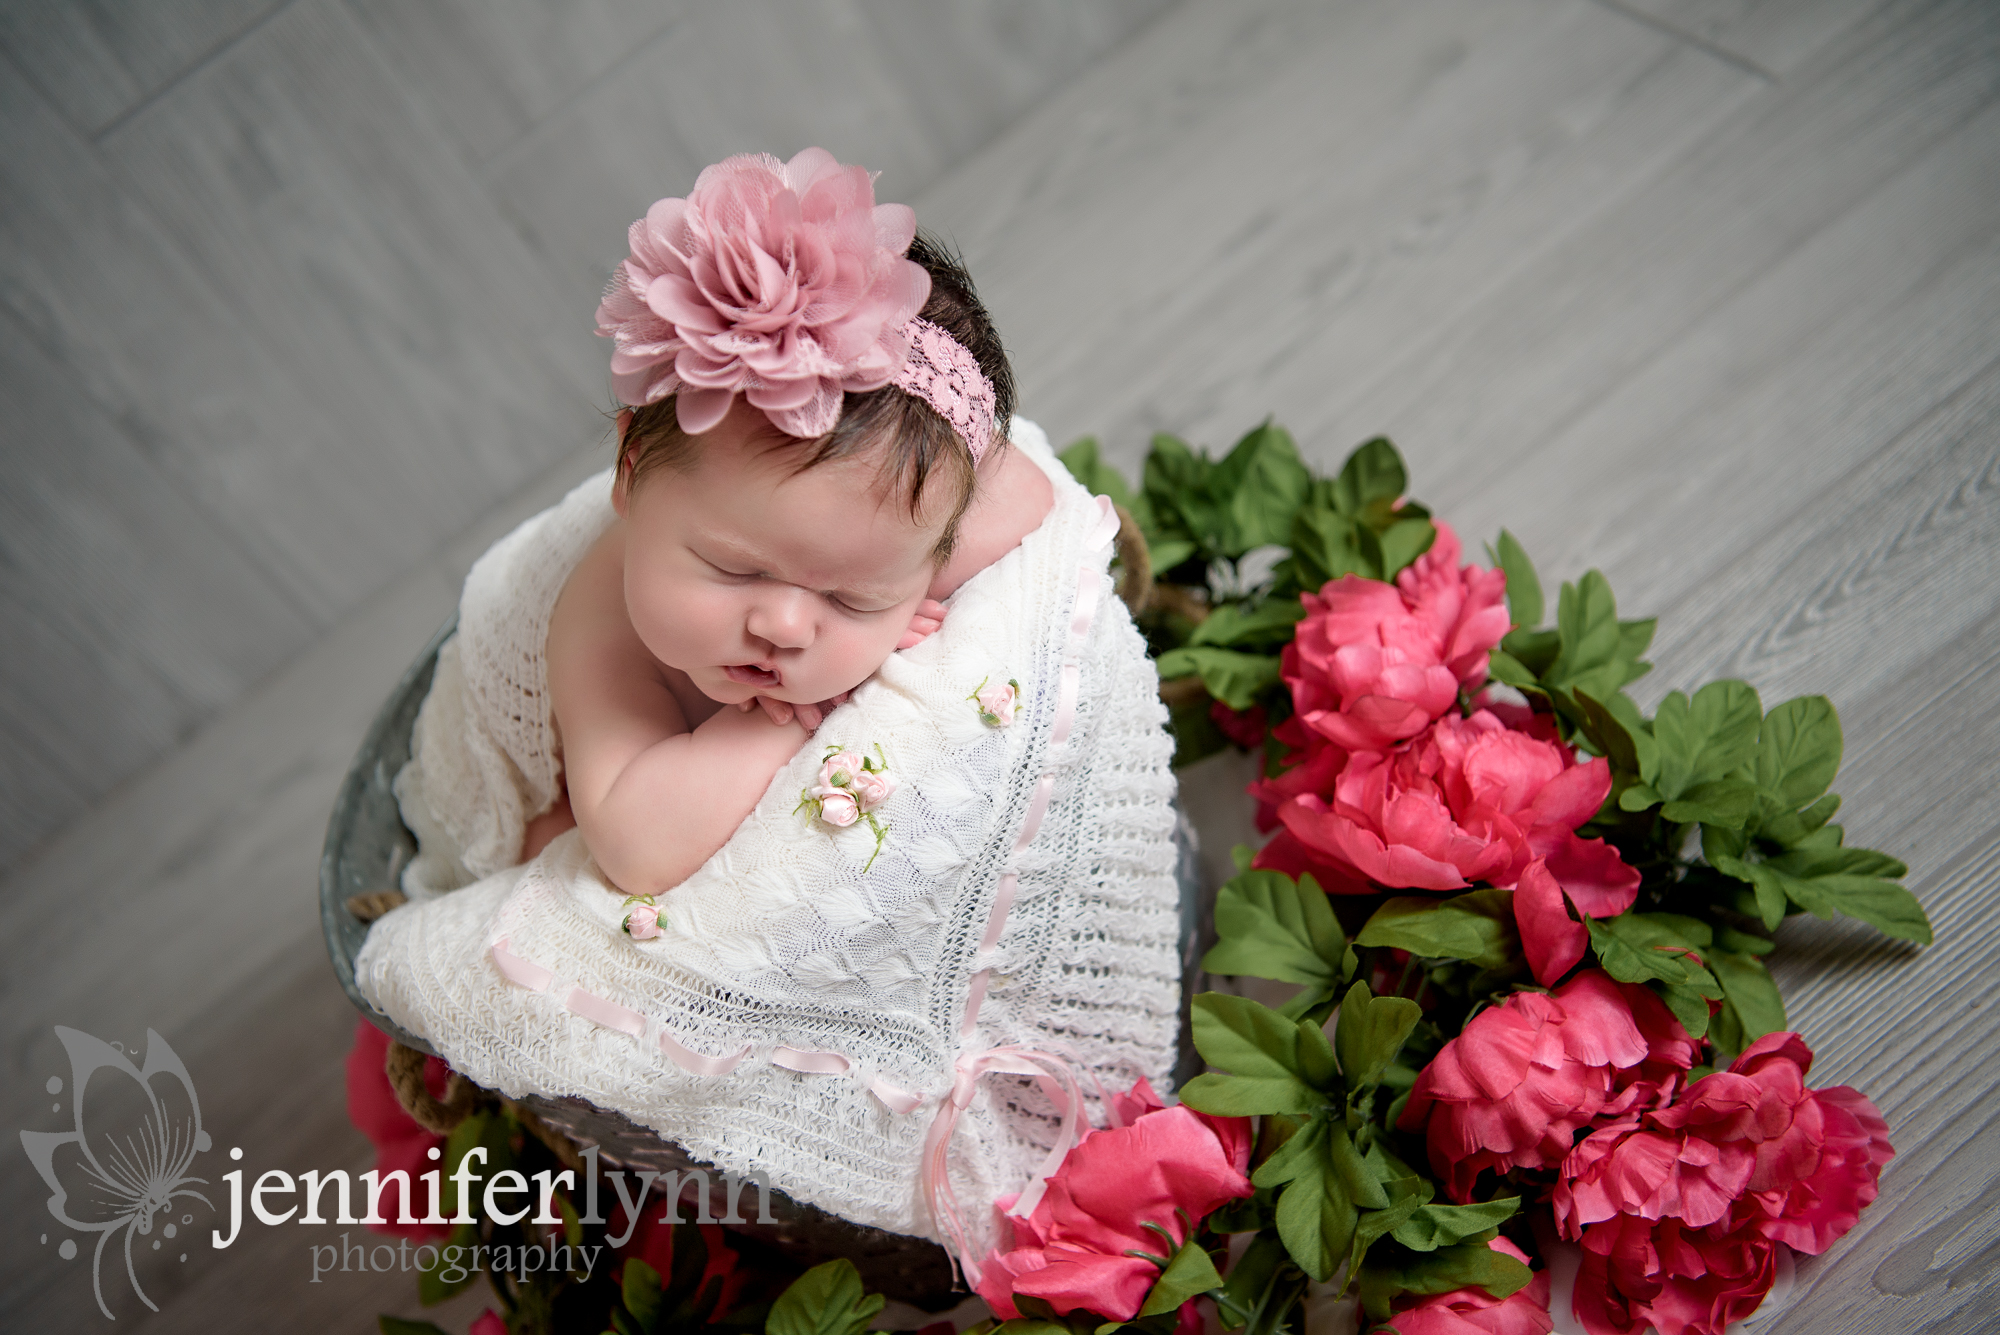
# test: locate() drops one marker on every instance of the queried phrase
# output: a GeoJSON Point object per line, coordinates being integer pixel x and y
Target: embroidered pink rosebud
{"type": "Point", "coordinates": [872, 788]}
{"type": "Point", "coordinates": [643, 922]}
{"type": "Point", "coordinates": [998, 703]}
{"type": "Point", "coordinates": [841, 769]}
{"type": "Point", "coordinates": [837, 806]}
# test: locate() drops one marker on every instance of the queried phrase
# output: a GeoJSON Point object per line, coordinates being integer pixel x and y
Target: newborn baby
{"type": "Point", "coordinates": [746, 568]}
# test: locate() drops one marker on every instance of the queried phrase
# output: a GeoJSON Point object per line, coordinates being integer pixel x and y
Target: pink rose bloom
{"type": "Point", "coordinates": [487, 1323]}
{"type": "Point", "coordinates": [1679, 1280]}
{"type": "Point", "coordinates": [1512, 1090]}
{"type": "Point", "coordinates": [643, 922]}
{"type": "Point", "coordinates": [1469, 800]}
{"type": "Point", "coordinates": [1167, 1166]}
{"type": "Point", "coordinates": [1474, 1311]}
{"type": "Point", "coordinates": [1747, 1147]}
{"type": "Point", "coordinates": [872, 788]}
{"type": "Point", "coordinates": [783, 281]}
{"type": "Point", "coordinates": [840, 769]}
{"type": "Point", "coordinates": [997, 704]}
{"type": "Point", "coordinates": [1372, 664]}
{"type": "Point", "coordinates": [836, 806]}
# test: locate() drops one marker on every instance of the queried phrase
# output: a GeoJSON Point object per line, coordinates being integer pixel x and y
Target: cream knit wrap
{"type": "Point", "coordinates": [782, 948]}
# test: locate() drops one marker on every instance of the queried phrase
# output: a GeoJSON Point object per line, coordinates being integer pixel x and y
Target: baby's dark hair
{"type": "Point", "coordinates": [922, 447]}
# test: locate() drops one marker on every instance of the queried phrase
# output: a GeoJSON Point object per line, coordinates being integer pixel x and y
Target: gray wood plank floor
{"type": "Point", "coordinates": [1705, 293]}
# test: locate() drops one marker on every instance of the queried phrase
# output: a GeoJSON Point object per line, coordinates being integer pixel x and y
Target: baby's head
{"type": "Point", "coordinates": [799, 451]}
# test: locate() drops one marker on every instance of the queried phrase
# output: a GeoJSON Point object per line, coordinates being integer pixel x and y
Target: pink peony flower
{"type": "Point", "coordinates": [837, 806]}
{"type": "Point", "coordinates": [1512, 1090]}
{"type": "Point", "coordinates": [487, 1322]}
{"type": "Point", "coordinates": [1474, 1311]}
{"type": "Point", "coordinates": [1678, 1280]}
{"type": "Point", "coordinates": [1372, 664]}
{"type": "Point", "coordinates": [643, 922]}
{"type": "Point", "coordinates": [998, 703]}
{"type": "Point", "coordinates": [840, 769]}
{"type": "Point", "coordinates": [872, 788]}
{"type": "Point", "coordinates": [1747, 1147]}
{"type": "Point", "coordinates": [1168, 1166]}
{"type": "Point", "coordinates": [782, 281]}
{"type": "Point", "coordinates": [1470, 799]}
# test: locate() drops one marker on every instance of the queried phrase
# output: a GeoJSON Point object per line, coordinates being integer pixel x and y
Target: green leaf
{"type": "Point", "coordinates": [1272, 1059]}
{"type": "Point", "coordinates": [1640, 947]}
{"type": "Point", "coordinates": [1524, 588]}
{"type": "Point", "coordinates": [1190, 1274]}
{"type": "Point", "coordinates": [1084, 464]}
{"type": "Point", "coordinates": [1587, 620]}
{"type": "Point", "coordinates": [1370, 1032]}
{"type": "Point", "coordinates": [1168, 552]}
{"type": "Point", "coordinates": [1798, 750]}
{"type": "Point", "coordinates": [1372, 476]}
{"type": "Point", "coordinates": [1327, 544]}
{"type": "Point", "coordinates": [1265, 484]}
{"type": "Point", "coordinates": [1751, 998]}
{"type": "Point", "coordinates": [1434, 1226]}
{"type": "Point", "coordinates": [1703, 739]}
{"type": "Point", "coordinates": [1236, 679]}
{"type": "Point", "coordinates": [1315, 1214]}
{"type": "Point", "coordinates": [1504, 667]}
{"type": "Point", "coordinates": [1477, 926]}
{"type": "Point", "coordinates": [1631, 750]}
{"type": "Point", "coordinates": [1403, 542]}
{"type": "Point", "coordinates": [395, 1325]}
{"type": "Point", "coordinates": [1689, 1005]}
{"type": "Point", "coordinates": [1854, 881]}
{"type": "Point", "coordinates": [1725, 802]}
{"type": "Point", "coordinates": [1459, 1266]}
{"type": "Point", "coordinates": [828, 1299]}
{"type": "Point", "coordinates": [640, 1291]}
{"type": "Point", "coordinates": [1268, 626]}
{"type": "Point", "coordinates": [1273, 927]}
{"type": "Point", "coordinates": [1408, 1195]}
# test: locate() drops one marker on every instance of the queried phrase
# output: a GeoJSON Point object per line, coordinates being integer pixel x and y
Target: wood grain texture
{"type": "Point", "coordinates": [1769, 36]}
{"type": "Point", "coordinates": [1323, 192]}
{"type": "Point", "coordinates": [97, 59]}
{"type": "Point", "coordinates": [493, 70]}
{"type": "Point", "coordinates": [908, 88]}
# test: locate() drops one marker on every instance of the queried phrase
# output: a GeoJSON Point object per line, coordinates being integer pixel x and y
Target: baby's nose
{"type": "Point", "coordinates": [783, 616]}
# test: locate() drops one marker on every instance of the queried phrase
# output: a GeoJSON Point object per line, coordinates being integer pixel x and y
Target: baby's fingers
{"type": "Point", "coordinates": [777, 710]}
{"type": "Point", "coordinates": [924, 623]}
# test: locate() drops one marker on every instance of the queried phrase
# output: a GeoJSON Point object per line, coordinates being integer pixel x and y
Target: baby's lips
{"type": "Point", "coordinates": [751, 674]}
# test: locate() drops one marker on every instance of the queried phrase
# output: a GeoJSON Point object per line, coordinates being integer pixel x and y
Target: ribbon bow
{"type": "Point", "coordinates": [1057, 1080]}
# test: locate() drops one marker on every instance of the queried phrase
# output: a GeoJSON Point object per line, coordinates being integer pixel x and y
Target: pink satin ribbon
{"type": "Point", "coordinates": [1057, 1080]}
{"type": "Point", "coordinates": [527, 974]}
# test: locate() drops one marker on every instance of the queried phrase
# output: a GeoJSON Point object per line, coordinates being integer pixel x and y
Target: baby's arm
{"type": "Point", "coordinates": [655, 799]}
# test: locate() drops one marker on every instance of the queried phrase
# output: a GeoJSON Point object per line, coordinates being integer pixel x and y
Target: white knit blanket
{"type": "Point", "coordinates": [836, 999]}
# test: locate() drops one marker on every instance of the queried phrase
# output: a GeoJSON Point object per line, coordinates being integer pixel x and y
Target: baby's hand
{"type": "Point", "coordinates": [809, 716]}
{"type": "Point", "coordinates": [924, 623]}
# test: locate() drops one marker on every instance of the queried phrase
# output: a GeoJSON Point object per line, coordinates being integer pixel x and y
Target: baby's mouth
{"type": "Point", "coordinates": [749, 674]}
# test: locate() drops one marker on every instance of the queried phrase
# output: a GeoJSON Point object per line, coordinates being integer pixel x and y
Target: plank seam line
{"type": "Point", "coordinates": [200, 63]}
{"type": "Point", "coordinates": [1700, 43]}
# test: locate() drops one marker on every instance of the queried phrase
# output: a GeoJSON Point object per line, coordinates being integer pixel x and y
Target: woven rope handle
{"type": "Point", "coordinates": [405, 1066]}
{"type": "Point", "coordinates": [1135, 579]}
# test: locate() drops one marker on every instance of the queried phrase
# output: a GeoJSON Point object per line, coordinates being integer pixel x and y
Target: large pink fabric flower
{"type": "Point", "coordinates": [1678, 1280]}
{"type": "Point", "coordinates": [1474, 1311]}
{"type": "Point", "coordinates": [1747, 1147]}
{"type": "Point", "coordinates": [1470, 799]}
{"type": "Point", "coordinates": [782, 281]}
{"type": "Point", "coordinates": [1168, 1166]}
{"type": "Point", "coordinates": [1372, 663]}
{"type": "Point", "coordinates": [1512, 1090]}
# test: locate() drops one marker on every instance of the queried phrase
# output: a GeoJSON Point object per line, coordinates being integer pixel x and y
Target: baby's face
{"type": "Point", "coordinates": [755, 580]}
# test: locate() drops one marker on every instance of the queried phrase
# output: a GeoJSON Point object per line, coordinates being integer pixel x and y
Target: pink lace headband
{"type": "Point", "coordinates": [787, 283]}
